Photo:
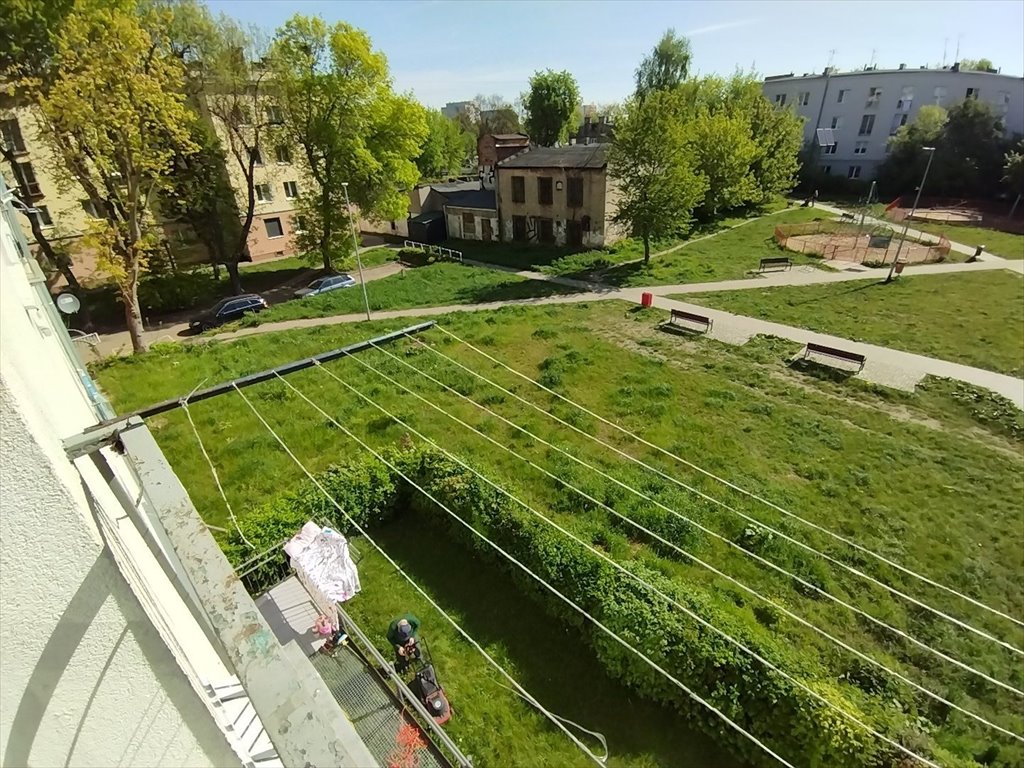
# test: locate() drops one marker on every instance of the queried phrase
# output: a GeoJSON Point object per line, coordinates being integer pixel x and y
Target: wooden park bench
{"type": "Point", "coordinates": [838, 354]}
{"type": "Point", "coordinates": [848, 217]}
{"type": "Point", "coordinates": [685, 317]}
{"type": "Point", "coordinates": [775, 262]}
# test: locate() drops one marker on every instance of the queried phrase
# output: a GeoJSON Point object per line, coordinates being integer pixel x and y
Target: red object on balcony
{"type": "Point", "coordinates": [646, 299]}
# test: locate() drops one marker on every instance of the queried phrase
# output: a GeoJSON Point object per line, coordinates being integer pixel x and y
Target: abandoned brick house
{"type": "Point", "coordinates": [557, 195]}
{"type": "Point", "coordinates": [491, 149]}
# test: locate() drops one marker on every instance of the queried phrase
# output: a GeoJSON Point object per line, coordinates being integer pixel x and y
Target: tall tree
{"type": "Point", "coordinates": [653, 164]}
{"type": "Point", "coordinates": [338, 105]}
{"type": "Point", "coordinates": [445, 148]}
{"type": "Point", "coordinates": [1013, 174]}
{"type": "Point", "coordinates": [976, 65]}
{"type": "Point", "coordinates": [551, 105]}
{"type": "Point", "coordinates": [665, 67]}
{"type": "Point", "coordinates": [115, 117]}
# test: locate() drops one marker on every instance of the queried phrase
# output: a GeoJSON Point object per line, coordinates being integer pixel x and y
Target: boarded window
{"type": "Point", "coordinates": [468, 225]}
{"type": "Point", "coordinates": [274, 228]}
{"type": "Point", "coordinates": [574, 192]}
{"type": "Point", "coordinates": [519, 228]}
{"type": "Point", "coordinates": [545, 230]}
{"type": "Point", "coordinates": [518, 189]}
{"type": "Point", "coordinates": [544, 194]}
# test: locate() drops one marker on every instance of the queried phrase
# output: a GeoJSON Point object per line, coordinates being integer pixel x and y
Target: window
{"type": "Point", "coordinates": [940, 94]}
{"type": "Point", "coordinates": [545, 230]}
{"type": "Point", "coordinates": [874, 96]}
{"type": "Point", "coordinates": [518, 224]}
{"type": "Point", "coordinates": [42, 214]}
{"type": "Point", "coordinates": [898, 121]}
{"type": "Point", "coordinates": [274, 115]}
{"type": "Point", "coordinates": [831, 149]}
{"type": "Point", "coordinates": [468, 225]}
{"type": "Point", "coordinates": [843, 93]}
{"type": "Point", "coordinates": [780, 99]}
{"type": "Point", "coordinates": [574, 192]}
{"type": "Point", "coordinates": [972, 93]}
{"type": "Point", "coordinates": [299, 223]}
{"type": "Point", "coordinates": [27, 180]}
{"type": "Point", "coordinates": [274, 228]}
{"type": "Point", "coordinates": [257, 156]}
{"type": "Point", "coordinates": [854, 172]}
{"type": "Point", "coordinates": [867, 124]}
{"type": "Point", "coordinates": [860, 148]}
{"type": "Point", "coordinates": [544, 194]}
{"type": "Point", "coordinates": [519, 189]}
{"type": "Point", "coordinates": [91, 209]}
{"type": "Point", "coordinates": [11, 132]}
{"type": "Point", "coordinates": [837, 123]}
{"type": "Point", "coordinates": [291, 190]}
{"type": "Point", "coordinates": [826, 169]}
{"type": "Point", "coordinates": [283, 154]}
{"type": "Point", "coordinates": [803, 98]}
{"type": "Point", "coordinates": [906, 99]}
{"type": "Point", "coordinates": [263, 193]}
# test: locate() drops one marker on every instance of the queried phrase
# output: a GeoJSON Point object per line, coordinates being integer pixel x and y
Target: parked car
{"type": "Point", "coordinates": [325, 284]}
{"type": "Point", "coordinates": [226, 310]}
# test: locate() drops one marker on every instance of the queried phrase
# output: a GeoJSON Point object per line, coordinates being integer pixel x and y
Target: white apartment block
{"type": "Point", "coordinates": [865, 108]}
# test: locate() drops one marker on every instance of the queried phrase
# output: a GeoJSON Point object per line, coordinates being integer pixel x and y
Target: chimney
{"type": "Point", "coordinates": [903, 66]}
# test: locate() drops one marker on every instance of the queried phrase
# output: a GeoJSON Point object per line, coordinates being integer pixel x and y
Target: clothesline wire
{"type": "Point", "coordinates": [664, 541]}
{"type": "Point", "coordinates": [755, 521]}
{"type": "Point", "coordinates": [582, 611]}
{"type": "Point", "coordinates": [455, 625]}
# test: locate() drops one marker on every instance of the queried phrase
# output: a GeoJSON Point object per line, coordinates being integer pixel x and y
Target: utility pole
{"type": "Point", "coordinates": [917, 199]}
{"type": "Point", "coordinates": [355, 244]}
{"type": "Point", "coordinates": [867, 205]}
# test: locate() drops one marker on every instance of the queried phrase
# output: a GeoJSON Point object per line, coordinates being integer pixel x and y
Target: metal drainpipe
{"type": "Point", "coordinates": [817, 122]}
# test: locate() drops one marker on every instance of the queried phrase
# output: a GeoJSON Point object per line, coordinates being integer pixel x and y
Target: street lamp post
{"type": "Point", "coordinates": [355, 244]}
{"type": "Point", "coordinates": [917, 199]}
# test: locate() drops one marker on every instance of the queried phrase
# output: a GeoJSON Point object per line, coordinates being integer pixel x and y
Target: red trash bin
{"type": "Point", "coordinates": [646, 299]}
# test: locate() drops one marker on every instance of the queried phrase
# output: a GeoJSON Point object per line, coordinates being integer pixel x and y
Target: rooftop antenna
{"type": "Point", "coordinates": [831, 57]}
{"type": "Point", "coordinates": [957, 57]}
{"type": "Point", "coordinates": [873, 52]}
{"type": "Point", "coordinates": [945, 46]}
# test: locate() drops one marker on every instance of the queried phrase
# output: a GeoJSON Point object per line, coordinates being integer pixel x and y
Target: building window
{"type": "Point", "coordinates": [780, 99]}
{"type": "Point", "coordinates": [803, 98]}
{"type": "Point", "coordinates": [898, 121]}
{"type": "Point", "coordinates": [274, 115]}
{"type": "Point", "coordinates": [837, 123]}
{"type": "Point", "coordinates": [468, 225]}
{"type": "Point", "coordinates": [906, 99]}
{"type": "Point", "coordinates": [545, 230]}
{"type": "Point", "coordinates": [544, 194]}
{"type": "Point", "coordinates": [860, 148]}
{"type": "Point", "coordinates": [972, 93]}
{"type": "Point", "coordinates": [843, 93]}
{"type": "Point", "coordinates": [519, 189]}
{"type": "Point", "coordinates": [91, 209]}
{"type": "Point", "coordinates": [274, 228]}
{"type": "Point", "coordinates": [11, 133]}
{"type": "Point", "coordinates": [867, 124]}
{"type": "Point", "coordinates": [874, 96]}
{"type": "Point", "coordinates": [263, 193]}
{"type": "Point", "coordinates": [854, 172]}
{"type": "Point", "coordinates": [940, 94]}
{"type": "Point", "coordinates": [574, 192]}
{"type": "Point", "coordinates": [283, 154]}
{"type": "Point", "coordinates": [827, 170]}
{"type": "Point", "coordinates": [831, 149]}
{"type": "Point", "coordinates": [42, 214]}
{"type": "Point", "coordinates": [27, 180]}
{"type": "Point", "coordinates": [299, 224]}
{"type": "Point", "coordinates": [256, 155]}
{"type": "Point", "coordinates": [291, 190]}
{"type": "Point", "coordinates": [518, 224]}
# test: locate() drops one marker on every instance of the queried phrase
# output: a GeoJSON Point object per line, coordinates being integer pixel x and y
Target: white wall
{"type": "Point", "coordinates": [87, 679]}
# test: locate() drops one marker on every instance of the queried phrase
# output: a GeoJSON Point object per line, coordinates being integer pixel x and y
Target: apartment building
{"type": "Point", "coordinates": [864, 108]}
{"type": "Point", "coordinates": [557, 195]}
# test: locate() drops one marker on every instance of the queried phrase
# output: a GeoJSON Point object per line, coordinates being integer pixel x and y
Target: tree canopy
{"type": "Point", "coordinates": [446, 147]}
{"type": "Point", "coordinates": [665, 67]}
{"type": "Point", "coordinates": [551, 105]}
{"type": "Point", "coordinates": [977, 65]}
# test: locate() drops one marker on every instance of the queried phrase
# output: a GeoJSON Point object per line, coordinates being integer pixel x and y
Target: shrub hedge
{"type": "Point", "coordinates": [775, 710]}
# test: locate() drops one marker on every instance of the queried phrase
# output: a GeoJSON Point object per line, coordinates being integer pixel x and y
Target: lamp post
{"type": "Point", "coordinates": [355, 244]}
{"type": "Point", "coordinates": [917, 199]}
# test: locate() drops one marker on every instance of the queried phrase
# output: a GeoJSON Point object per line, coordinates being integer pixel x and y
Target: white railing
{"type": "Point", "coordinates": [437, 250]}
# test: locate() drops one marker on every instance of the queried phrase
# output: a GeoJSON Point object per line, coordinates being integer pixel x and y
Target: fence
{"type": "Point", "coordinates": [437, 250]}
{"type": "Point", "coordinates": [959, 212]}
{"type": "Point", "coordinates": [842, 241]}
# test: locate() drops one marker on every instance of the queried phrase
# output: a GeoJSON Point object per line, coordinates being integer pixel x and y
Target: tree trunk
{"type": "Point", "coordinates": [325, 237]}
{"type": "Point", "coordinates": [233, 276]}
{"type": "Point", "coordinates": [647, 249]}
{"type": "Point", "coordinates": [133, 315]}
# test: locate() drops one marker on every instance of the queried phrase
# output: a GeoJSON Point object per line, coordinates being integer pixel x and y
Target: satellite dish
{"type": "Point", "coordinates": [68, 303]}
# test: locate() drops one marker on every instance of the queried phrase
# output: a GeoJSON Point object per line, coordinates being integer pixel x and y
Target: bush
{"type": "Point", "coordinates": [177, 291]}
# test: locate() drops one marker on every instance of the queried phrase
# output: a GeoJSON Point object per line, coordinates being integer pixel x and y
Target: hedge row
{"type": "Point", "coordinates": [773, 709]}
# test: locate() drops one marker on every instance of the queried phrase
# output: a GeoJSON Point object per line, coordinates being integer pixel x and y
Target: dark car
{"type": "Point", "coordinates": [226, 310]}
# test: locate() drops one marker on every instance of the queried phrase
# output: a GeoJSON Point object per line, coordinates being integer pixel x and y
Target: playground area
{"type": "Point", "coordinates": [843, 241]}
{"type": "Point", "coordinates": [988, 214]}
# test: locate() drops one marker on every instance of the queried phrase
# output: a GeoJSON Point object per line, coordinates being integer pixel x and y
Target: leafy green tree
{"type": "Point", "coordinates": [446, 148]}
{"type": "Point", "coordinates": [551, 106]}
{"type": "Point", "coordinates": [653, 164]}
{"type": "Point", "coordinates": [724, 152]}
{"type": "Point", "coordinates": [338, 106]}
{"type": "Point", "coordinates": [115, 117]}
{"type": "Point", "coordinates": [665, 67]}
{"type": "Point", "coordinates": [1013, 174]}
{"type": "Point", "coordinates": [502, 120]}
{"type": "Point", "coordinates": [977, 65]}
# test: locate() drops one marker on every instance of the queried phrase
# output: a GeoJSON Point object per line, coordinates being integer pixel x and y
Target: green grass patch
{"type": "Point", "coordinates": [377, 256]}
{"type": "Point", "coordinates": [932, 480]}
{"type": "Point", "coordinates": [1005, 244]}
{"type": "Point", "coordinates": [975, 318]}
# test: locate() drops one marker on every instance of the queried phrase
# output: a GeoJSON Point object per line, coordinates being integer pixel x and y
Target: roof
{"type": "Point", "coordinates": [510, 136]}
{"type": "Point", "coordinates": [572, 156]}
{"type": "Point", "coordinates": [448, 187]}
{"type": "Point", "coordinates": [426, 218]}
{"type": "Point", "coordinates": [471, 198]}
{"type": "Point", "coordinates": [904, 71]}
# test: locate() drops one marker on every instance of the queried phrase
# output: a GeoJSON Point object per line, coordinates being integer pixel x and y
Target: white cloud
{"type": "Point", "coordinates": [719, 27]}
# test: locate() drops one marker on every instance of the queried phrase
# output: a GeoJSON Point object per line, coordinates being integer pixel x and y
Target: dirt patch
{"type": "Point", "coordinates": [865, 248]}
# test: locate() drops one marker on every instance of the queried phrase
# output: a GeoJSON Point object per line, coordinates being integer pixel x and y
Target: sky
{"type": "Point", "coordinates": [452, 50]}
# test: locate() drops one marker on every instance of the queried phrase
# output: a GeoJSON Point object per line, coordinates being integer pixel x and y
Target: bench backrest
{"type": "Point", "coordinates": [682, 314]}
{"type": "Point", "coordinates": [840, 353]}
{"type": "Point", "coordinates": [776, 260]}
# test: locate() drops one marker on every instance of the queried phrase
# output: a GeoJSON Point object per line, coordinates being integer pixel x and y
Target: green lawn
{"type": "Point", "coordinates": [1005, 244]}
{"type": "Point", "coordinates": [430, 286]}
{"type": "Point", "coordinates": [933, 480]}
{"type": "Point", "coordinates": [377, 256]}
{"type": "Point", "coordinates": [975, 318]}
